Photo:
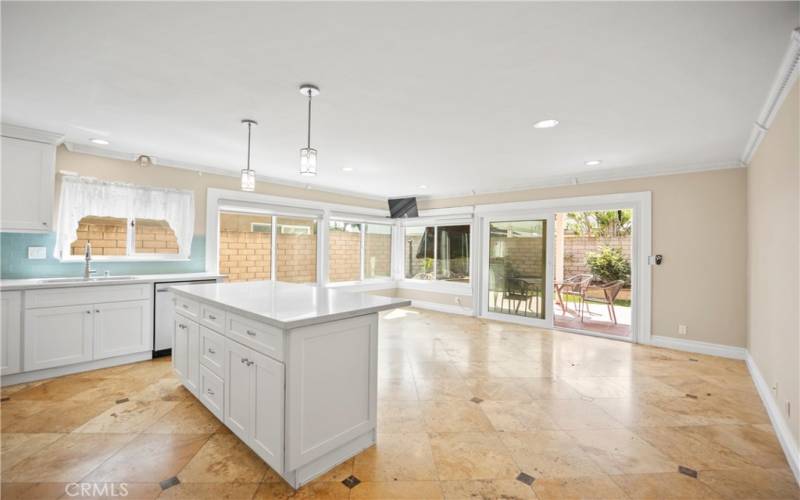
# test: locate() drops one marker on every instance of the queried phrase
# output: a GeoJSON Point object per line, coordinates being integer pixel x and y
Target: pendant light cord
{"type": "Point", "coordinates": [308, 145]}
{"type": "Point", "coordinates": [249, 125]}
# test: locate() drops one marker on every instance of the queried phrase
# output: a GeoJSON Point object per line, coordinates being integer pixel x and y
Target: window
{"type": "Point", "coordinates": [344, 251]}
{"type": "Point", "coordinates": [438, 253]}
{"type": "Point", "coordinates": [113, 236]}
{"type": "Point", "coordinates": [378, 251]}
{"type": "Point", "coordinates": [245, 246]}
{"type": "Point", "coordinates": [296, 250]}
{"type": "Point", "coordinates": [107, 235]}
{"type": "Point", "coordinates": [359, 250]}
{"type": "Point", "coordinates": [123, 220]}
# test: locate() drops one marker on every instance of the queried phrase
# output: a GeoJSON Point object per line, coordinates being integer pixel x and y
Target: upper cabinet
{"type": "Point", "coordinates": [27, 177]}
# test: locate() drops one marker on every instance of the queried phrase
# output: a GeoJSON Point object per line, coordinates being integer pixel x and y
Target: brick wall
{"type": "Point", "coordinates": [108, 236]}
{"type": "Point", "coordinates": [297, 258]}
{"type": "Point", "coordinates": [378, 255]}
{"type": "Point", "coordinates": [244, 256]}
{"type": "Point", "coordinates": [577, 248]}
{"type": "Point", "coordinates": [344, 262]}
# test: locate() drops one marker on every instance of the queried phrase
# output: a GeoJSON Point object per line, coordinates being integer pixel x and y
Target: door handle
{"type": "Point", "coordinates": [97, 310]}
{"type": "Point", "coordinates": [182, 326]}
{"type": "Point", "coordinates": [163, 290]}
{"type": "Point", "coordinates": [88, 312]}
{"type": "Point", "coordinates": [210, 391]}
{"type": "Point", "coordinates": [251, 333]}
{"type": "Point", "coordinates": [211, 351]}
{"type": "Point", "coordinates": [211, 316]}
{"type": "Point", "coordinates": [250, 363]}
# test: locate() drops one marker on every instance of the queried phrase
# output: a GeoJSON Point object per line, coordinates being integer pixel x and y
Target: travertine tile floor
{"type": "Point", "coordinates": [465, 407]}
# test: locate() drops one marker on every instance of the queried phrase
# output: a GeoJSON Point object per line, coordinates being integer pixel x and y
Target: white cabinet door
{"type": "Point", "coordinates": [122, 328]}
{"type": "Point", "coordinates": [267, 409]}
{"type": "Point", "coordinates": [11, 333]}
{"type": "Point", "coordinates": [193, 357]}
{"type": "Point", "coordinates": [238, 389]}
{"type": "Point", "coordinates": [27, 177]}
{"type": "Point", "coordinates": [57, 336]}
{"type": "Point", "coordinates": [180, 346]}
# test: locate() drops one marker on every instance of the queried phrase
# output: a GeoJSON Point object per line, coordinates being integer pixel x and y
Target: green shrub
{"type": "Point", "coordinates": [609, 265]}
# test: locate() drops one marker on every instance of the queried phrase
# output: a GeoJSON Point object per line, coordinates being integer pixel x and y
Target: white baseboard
{"type": "Point", "coordinates": [726, 351]}
{"type": "Point", "coordinates": [25, 377]}
{"type": "Point", "coordinates": [779, 423]}
{"type": "Point", "coordinates": [446, 308]}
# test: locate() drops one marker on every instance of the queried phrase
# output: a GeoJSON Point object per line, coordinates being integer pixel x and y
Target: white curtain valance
{"type": "Point", "coordinates": [87, 196]}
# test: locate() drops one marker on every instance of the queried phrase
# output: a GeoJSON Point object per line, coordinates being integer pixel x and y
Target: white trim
{"type": "Point", "coordinates": [445, 308]}
{"type": "Point", "coordinates": [372, 285]}
{"type": "Point", "coordinates": [139, 257]}
{"type": "Point", "coordinates": [784, 81]}
{"type": "Point", "coordinates": [699, 347]}
{"type": "Point", "coordinates": [24, 377]}
{"type": "Point", "coordinates": [437, 286]}
{"type": "Point", "coordinates": [465, 211]}
{"type": "Point", "coordinates": [31, 134]}
{"type": "Point", "coordinates": [166, 162]}
{"type": "Point", "coordinates": [779, 424]}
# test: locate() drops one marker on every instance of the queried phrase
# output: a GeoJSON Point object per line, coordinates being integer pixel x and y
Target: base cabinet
{"type": "Point", "coordinates": [185, 352]}
{"type": "Point", "coordinates": [58, 336]}
{"type": "Point", "coordinates": [11, 333]}
{"type": "Point", "coordinates": [121, 328]}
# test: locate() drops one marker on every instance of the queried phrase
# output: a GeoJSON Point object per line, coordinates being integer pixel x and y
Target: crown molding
{"type": "Point", "coordinates": [31, 134]}
{"type": "Point", "coordinates": [75, 147]}
{"type": "Point", "coordinates": [784, 81]}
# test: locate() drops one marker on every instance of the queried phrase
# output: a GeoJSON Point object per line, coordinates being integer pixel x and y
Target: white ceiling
{"type": "Point", "coordinates": [441, 94]}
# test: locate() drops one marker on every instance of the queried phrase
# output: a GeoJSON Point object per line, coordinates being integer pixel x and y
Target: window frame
{"type": "Point", "coordinates": [131, 255]}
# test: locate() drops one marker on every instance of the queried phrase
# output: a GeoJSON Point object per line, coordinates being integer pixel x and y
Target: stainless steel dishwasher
{"type": "Point", "coordinates": [164, 315]}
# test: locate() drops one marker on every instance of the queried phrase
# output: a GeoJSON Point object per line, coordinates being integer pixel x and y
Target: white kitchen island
{"type": "Point", "coordinates": [290, 369]}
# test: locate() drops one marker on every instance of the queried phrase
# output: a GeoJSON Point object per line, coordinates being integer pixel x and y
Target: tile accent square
{"type": "Point", "coordinates": [525, 478]}
{"type": "Point", "coordinates": [476, 400]}
{"type": "Point", "coordinates": [169, 483]}
{"type": "Point", "coordinates": [686, 471]}
{"type": "Point", "coordinates": [123, 400]}
{"type": "Point", "coordinates": [351, 482]}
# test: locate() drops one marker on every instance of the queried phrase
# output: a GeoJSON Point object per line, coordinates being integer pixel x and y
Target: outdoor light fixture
{"type": "Point", "coordinates": [308, 155]}
{"type": "Point", "coordinates": [248, 175]}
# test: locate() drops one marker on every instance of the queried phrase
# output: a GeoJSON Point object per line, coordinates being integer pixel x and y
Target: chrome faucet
{"type": "Point", "coordinates": [87, 269]}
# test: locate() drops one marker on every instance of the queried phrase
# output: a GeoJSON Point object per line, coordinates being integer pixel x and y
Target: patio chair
{"type": "Point", "coordinates": [519, 291]}
{"type": "Point", "coordinates": [574, 286]}
{"type": "Point", "coordinates": [610, 292]}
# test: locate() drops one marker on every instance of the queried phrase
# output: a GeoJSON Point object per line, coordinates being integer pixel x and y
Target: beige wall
{"type": "Point", "coordinates": [699, 226]}
{"type": "Point", "coordinates": [128, 171]}
{"type": "Point", "coordinates": [773, 214]}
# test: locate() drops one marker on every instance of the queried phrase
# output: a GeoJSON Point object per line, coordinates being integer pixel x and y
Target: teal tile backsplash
{"type": "Point", "coordinates": [14, 262]}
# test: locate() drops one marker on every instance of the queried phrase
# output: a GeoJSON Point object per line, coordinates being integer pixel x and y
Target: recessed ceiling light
{"type": "Point", "coordinates": [423, 186]}
{"type": "Point", "coordinates": [546, 124]}
{"type": "Point", "coordinates": [102, 142]}
{"type": "Point", "coordinates": [347, 169]}
{"type": "Point", "coordinates": [593, 163]}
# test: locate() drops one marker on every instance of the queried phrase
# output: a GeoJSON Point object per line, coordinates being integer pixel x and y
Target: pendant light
{"type": "Point", "coordinates": [308, 155]}
{"type": "Point", "coordinates": [248, 175]}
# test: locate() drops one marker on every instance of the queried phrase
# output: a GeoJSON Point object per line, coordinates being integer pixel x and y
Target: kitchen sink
{"type": "Point", "coordinates": [87, 280]}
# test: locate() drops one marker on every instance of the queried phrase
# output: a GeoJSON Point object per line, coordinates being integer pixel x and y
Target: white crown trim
{"type": "Point", "coordinates": [31, 134]}
{"type": "Point", "coordinates": [784, 81]}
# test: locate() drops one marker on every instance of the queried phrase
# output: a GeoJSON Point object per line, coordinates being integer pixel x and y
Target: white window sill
{"type": "Point", "coordinates": [365, 285]}
{"type": "Point", "coordinates": [123, 258]}
{"type": "Point", "coordinates": [436, 286]}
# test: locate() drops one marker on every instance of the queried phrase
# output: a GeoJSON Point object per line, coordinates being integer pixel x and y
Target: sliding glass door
{"type": "Point", "coordinates": [516, 270]}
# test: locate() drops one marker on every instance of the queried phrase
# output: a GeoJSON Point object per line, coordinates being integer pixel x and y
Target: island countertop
{"type": "Point", "coordinates": [289, 305]}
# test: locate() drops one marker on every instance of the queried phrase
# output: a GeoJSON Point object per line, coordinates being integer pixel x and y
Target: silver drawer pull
{"type": "Point", "coordinates": [181, 326]}
{"type": "Point", "coordinates": [211, 351]}
{"type": "Point", "coordinates": [251, 332]}
{"type": "Point", "coordinates": [250, 363]}
{"type": "Point", "coordinates": [185, 306]}
{"type": "Point", "coordinates": [97, 310]}
{"type": "Point", "coordinates": [210, 391]}
{"type": "Point", "coordinates": [211, 316]}
{"type": "Point", "coordinates": [88, 312]}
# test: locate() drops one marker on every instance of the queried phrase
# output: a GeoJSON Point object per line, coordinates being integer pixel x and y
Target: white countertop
{"type": "Point", "coordinates": [36, 283]}
{"type": "Point", "coordinates": [289, 305]}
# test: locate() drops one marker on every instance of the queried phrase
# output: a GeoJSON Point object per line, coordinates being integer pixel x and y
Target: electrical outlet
{"type": "Point", "coordinates": [682, 329]}
{"type": "Point", "coordinates": [458, 300]}
{"type": "Point", "coordinates": [37, 253]}
{"type": "Point", "coordinates": [775, 389]}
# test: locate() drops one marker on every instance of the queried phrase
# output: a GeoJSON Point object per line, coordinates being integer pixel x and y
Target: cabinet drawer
{"type": "Point", "coordinates": [95, 294]}
{"type": "Point", "coordinates": [263, 338]}
{"type": "Point", "coordinates": [212, 317]}
{"type": "Point", "coordinates": [211, 394]}
{"type": "Point", "coordinates": [212, 351]}
{"type": "Point", "coordinates": [187, 307]}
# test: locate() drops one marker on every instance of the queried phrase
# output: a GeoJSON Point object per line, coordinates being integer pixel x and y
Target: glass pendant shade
{"type": "Point", "coordinates": [248, 180]}
{"type": "Point", "coordinates": [308, 162]}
